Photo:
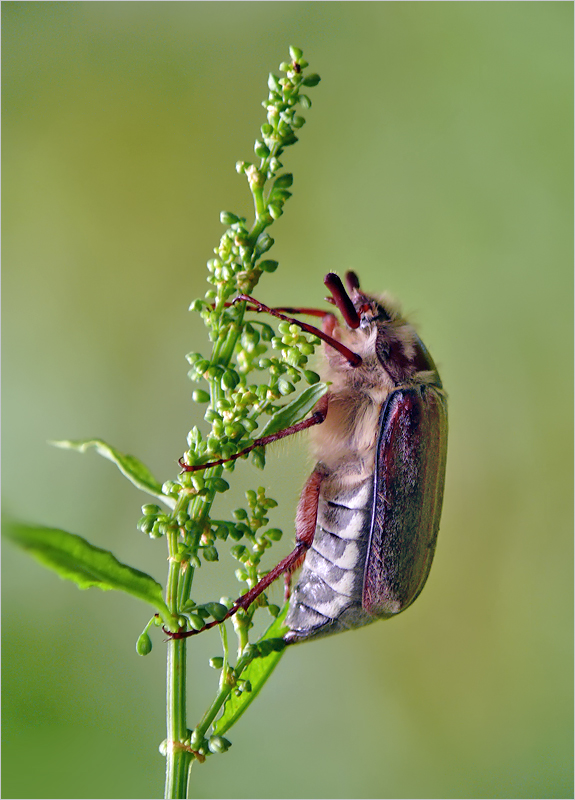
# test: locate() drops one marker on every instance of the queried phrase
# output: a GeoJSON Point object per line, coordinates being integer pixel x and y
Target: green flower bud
{"type": "Point", "coordinates": [258, 457]}
{"type": "Point", "coordinates": [151, 508]}
{"type": "Point", "coordinates": [171, 488]}
{"type": "Point", "coordinates": [194, 436]}
{"type": "Point", "coordinates": [222, 532]}
{"type": "Point", "coordinates": [274, 83]}
{"type": "Point", "coordinates": [274, 610]}
{"type": "Point", "coordinates": [298, 122]}
{"type": "Point", "coordinates": [227, 218]}
{"type": "Point", "coordinates": [217, 662]}
{"type": "Point", "coordinates": [285, 387]}
{"type": "Point", "coordinates": [275, 210]}
{"type": "Point", "coordinates": [211, 415]}
{"type": "Point", "coordinates": [240, 552]}
{"type": "Point", "coordinates": [227, 450]}
{"type": "Point", "coordinates": [293, 356]}
{"type": "Point", "coordinates": [215, 372]}
{"type": "Point", "coordinates": [191, 358]}
{"type": "Point", "coordinates": [219, 484]}
{"type": "Point", "coordinates": [264, 648]}
{"type": "Point", "coordinates": [241, 575]}
{"type": "Point", "coordinates": [196, 622]}
{"type": "Point", "coordinates": [295, 53]}
{"type": "Point", "coordinates": [198, 481]}
{"type": "Point", "coordinates": [261, 149]}
{"type": "Point", "coordinates": [283, 181]}
{"type": "Point", "coordinates": [196, 740]}
{"type": "Point", "coordinates": [144, 644]}
{"type": "Point", "coordinates": [236, 533]}
{"type": "Point", "coordinates": [210, 553]}
{"type": "Point", "coordinates": [230, 379]}
{"type": "Point", "coordinates": [196, 305]}
{"type": "Point", "coordinates": [217, 610]}
{"type": "Point", "coordinates": [268, 266]}
{"type": "Point", "coordinates": [219, 744]}
{"type": "Point", "coordinates": [213, 444]}
{"type": "Point", "coordinates": [311, 376]}
{"type": "Point", "coordinates": [274, 534]}
{"type": "Point", "coordinates": [202, 366]}
{"type": "Point", "coordinates": [311, 80]}
{"type": "Point", "coordinates": [263, 244]}
{"type": "Point", "coordinates": [146, 524]}
{"type": "Point", "coordinates": [304, 100]}
{"type": "Point", "coordinates": [268, 646]}
{"type": "Point", "coordinates": [200, 396]}
{"type": "Point", "coordinates": [277, 645]}
{"type": "Point", "coordinates": [195, 562]}
{"type": "Point", "coordinates": [250, 425]}
{"type": "Point", "coordinates": [240, 513]}
{"type": "Point", "coordinates": [235, 431]}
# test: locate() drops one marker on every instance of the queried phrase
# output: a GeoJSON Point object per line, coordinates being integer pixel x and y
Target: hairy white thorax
{"type": "Point", "coordinates": [346, 441]}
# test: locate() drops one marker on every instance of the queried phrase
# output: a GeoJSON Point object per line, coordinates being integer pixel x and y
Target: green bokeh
{"type": "Point", "coordinates": [437, 163]}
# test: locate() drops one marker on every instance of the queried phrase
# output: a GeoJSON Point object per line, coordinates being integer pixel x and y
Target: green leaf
{"type": "Point", "coordinates": [257, 672]}
{"type": "Point", "coordinates": [130, 466]}
{"type": "Point", "coordinates": [295, 411]}
{"type": "Point", "coordinates": [75, 559]}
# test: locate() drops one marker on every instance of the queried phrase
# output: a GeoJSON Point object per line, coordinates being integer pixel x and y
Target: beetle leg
{"type": "Point", "coordinates": [318, 415]}
{"type": "Point", "coordinates": [305, 523]}
{"type": "Point", "coordinates": [353, 358]}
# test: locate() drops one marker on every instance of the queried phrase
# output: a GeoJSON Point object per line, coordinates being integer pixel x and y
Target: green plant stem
{"type": "Point", "coordinates": [178, 760]}
{"type": "Point", "coordinates": [226, 687]}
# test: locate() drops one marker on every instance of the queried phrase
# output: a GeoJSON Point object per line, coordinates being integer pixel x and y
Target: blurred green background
{"type": "Point", "coordinates": [437, 163]}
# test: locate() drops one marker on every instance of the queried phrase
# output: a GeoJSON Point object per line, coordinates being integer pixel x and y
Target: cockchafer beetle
{"type": "Point", "coordinates": [368, 517]}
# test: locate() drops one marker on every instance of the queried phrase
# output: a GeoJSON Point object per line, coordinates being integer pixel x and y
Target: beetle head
{"type": "Point", "coordinates": [358, 309]}
{"type": "Point", "coordinates": [398, 348]}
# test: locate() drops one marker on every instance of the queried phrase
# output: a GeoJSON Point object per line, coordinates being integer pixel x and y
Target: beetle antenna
{"type": "Point", "coordinates": [352, 281]}
{"type": "Point", "coordinates": [342, 299]}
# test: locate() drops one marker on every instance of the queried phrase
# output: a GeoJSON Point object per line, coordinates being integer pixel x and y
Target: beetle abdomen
{"type": "Point", "coordinates": [328, 595]}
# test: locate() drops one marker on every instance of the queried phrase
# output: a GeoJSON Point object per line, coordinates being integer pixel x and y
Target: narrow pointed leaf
{"type": "Point", "coordinates": [75, 559]}
{"type": "Point", "coordinates": [130, 466]}
{"type": "Point", "coordinates": [257, 672]}
{"type": "Point", "coordinates": [296, 410]}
